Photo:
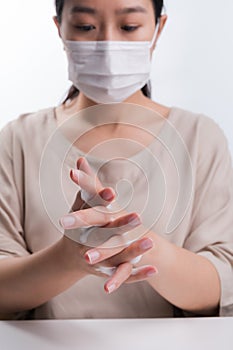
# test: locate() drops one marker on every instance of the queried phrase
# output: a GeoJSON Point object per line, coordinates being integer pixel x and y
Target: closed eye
{"type": "Point", "coordinates": [128, 28]}
{"type": "Point", "coordinates": [85, 27]}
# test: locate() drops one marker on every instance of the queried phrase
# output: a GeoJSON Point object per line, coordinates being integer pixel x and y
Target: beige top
{"type": "Point", "coordinates": [186, 196]}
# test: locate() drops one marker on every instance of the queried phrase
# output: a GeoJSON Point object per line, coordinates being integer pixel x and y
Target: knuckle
{"type": "Point", "coordinates": [106, 216]}
{"type": "Point", "coordinates": [136, 249]}
{"type": "Point", "coordinates": [127, 267]}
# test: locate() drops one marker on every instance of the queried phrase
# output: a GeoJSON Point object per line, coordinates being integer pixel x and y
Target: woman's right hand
{"type": "Point", "coordinates": [101, 216]}
{"type": "Point", "coordinates": [86, 261]}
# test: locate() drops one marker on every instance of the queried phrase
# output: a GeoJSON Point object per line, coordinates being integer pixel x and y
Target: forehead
{"type": "Point", "coordinates": [116, 6]}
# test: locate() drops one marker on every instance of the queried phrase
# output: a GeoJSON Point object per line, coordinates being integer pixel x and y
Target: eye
{"type": "Point", "coordinates": [85, 27]}
{"type": "Point", "coordinates": [129, 28]}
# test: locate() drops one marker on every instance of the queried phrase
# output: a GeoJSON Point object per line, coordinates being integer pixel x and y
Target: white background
{"type": "Point", "coordinates": [193, 63]}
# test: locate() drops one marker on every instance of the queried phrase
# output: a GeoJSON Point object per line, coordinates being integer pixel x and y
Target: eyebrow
{"type": "Point", "coordinates": [83, 9]}
{"type": "Point", "coordinates": [127, 10]}
{"type": "Point", "coordinates": [92, 11]}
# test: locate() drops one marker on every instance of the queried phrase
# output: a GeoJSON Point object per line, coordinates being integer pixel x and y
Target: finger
{"type": "Point", "coordinates": [119, 254]}
{"type": "Point", "coordinates": [97, 216]}
{"type": "Point", "coordinates": [82, 164]}
{"type": "Point", "coordinates": [103, 198]}
{"type": "Point", "coordinates": [102, 237]}
{"type": "Point", "coordinates": [106, 196]}
{"type": "Point", "coordinates": [122, 274]}
{"type": "Point", "coordinates": [136, 249]}
{"type": "Point", "coordinates": [78, 203]}
{"type": "Point", "coordinates": [86, 182]}
{"type": "Point", "coordinates": [137, 274]}
{"type": "Point", "coordinates": [142, 273]}
{"type": "Point", "coordinates": [126, 221]}
{"type": "Point", "coordinates": [91, 191]}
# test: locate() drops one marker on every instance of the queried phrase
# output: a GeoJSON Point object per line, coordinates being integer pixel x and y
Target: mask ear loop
{"type": "Point", "coordinates": [155, 34]}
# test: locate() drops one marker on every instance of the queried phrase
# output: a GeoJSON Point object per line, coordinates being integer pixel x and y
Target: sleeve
{"type": "Point", "coordinates": [211, 232]}
{"type": "Point", "coordinates": [12, 241]}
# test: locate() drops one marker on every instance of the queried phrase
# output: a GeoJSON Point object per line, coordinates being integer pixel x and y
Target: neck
{"type": "Point", "coordinates": [82, 102]}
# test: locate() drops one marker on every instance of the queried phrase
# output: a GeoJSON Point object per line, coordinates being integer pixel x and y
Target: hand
{"type": "Point", "coordinates": [116, 260]}
{"type": "Point", "coordinates": [97, 193]}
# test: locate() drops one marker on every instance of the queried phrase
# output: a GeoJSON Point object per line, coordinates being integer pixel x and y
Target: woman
{"type": "Point", "coordinates": [45, 274]}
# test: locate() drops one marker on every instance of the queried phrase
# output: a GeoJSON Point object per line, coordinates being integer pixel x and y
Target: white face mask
{"type": "Point", "coordinates": [109, 71]}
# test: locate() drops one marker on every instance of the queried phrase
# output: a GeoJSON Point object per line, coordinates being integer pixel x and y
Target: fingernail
{"type": "Point", "coordinates": [146, 244]}
{"type": "Point", "coordinates": [77, 174]}
{"type": "Point", "coordinates": [92, 256]}
{"type": "Point", "coordinates": [80, 161]}
{"type": "Point", "coordinates": [151, 273]}
{"type": "Point", "coordinates": [111, 287]}
{"type": "Point", "coordinates": [134, 221]}
{"type": "Point", "coordinates": [106, 194]}
{"type": "Point", "coordinates": [67, 221]}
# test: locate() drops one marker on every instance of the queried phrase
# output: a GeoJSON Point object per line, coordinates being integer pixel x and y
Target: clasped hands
{"type": "Point", "coordinates": [121, 261]}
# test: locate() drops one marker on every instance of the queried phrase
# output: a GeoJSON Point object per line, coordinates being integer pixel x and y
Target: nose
{"type": "Point", "coordinates": [107, 34]}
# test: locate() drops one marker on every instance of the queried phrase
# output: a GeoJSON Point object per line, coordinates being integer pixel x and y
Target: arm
{"type": "Point", "coordinates": [198, 277]}
{"type": "Point", "coordinates": [185, 279]}
{"type": "Point", "coordinates": [27, 282]}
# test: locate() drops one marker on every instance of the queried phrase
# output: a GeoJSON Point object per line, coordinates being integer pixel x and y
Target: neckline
{"type": "Point", "coordinates": [74, 151]}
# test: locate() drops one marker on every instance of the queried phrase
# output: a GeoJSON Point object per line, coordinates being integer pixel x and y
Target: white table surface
{"type": "Point", "coordinates": [136, 334]}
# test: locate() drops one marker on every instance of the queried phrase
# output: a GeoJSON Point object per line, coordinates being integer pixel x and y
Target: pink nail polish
{"type": "Point", "coordinates": [151, 273]}
{"type": "Point", "coordinates": [77, 174]}
{"type": "Point", "coordinates": [67, 221]}
{"type": "Point", "coordinates": [92, 256]}
{"type": "Point", "coordinates": [111, 287]}
{"type": "Point", "coordinates": [135, 221]}
{"type": "Point", "coordinates": [106, 195]}
{"type": "Point", "coordinates": [146, 244]}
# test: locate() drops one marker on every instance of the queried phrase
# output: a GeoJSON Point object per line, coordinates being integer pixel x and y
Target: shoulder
{"type": "Point", "coordinates": [30, 125]}
{"type": "Point", "coordinates": [28, 133]}
{"type": "Point", "coordinates": [40, 118]}
{"type": "Point", "coordinates": [186, 122]}
{"type": "Point", "coordinates": [198, 130]}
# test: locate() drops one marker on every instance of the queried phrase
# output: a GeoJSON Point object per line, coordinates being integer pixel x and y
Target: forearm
{"type": "Point", "coordinates": [28, 282]}
{"type": "Point", "coordinates": [185, 279]}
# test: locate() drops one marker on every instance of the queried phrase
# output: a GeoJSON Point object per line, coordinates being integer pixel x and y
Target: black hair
{"type": "Point", "coordinates": [73, 91]}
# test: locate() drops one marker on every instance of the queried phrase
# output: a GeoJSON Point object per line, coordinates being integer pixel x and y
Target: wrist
{"type": "Point", "coordinates": [162, 254]}
{"type": "Point", "coordinates": [70, 256]}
